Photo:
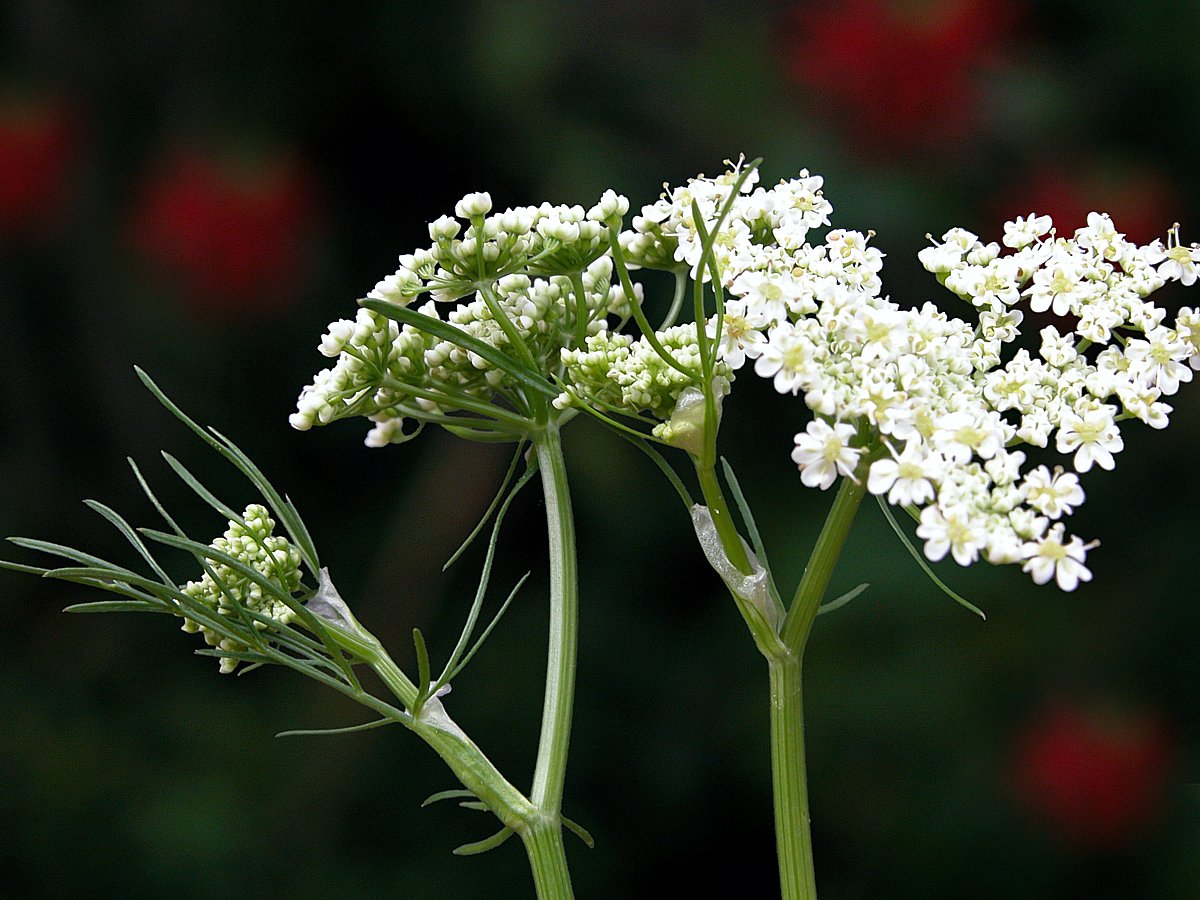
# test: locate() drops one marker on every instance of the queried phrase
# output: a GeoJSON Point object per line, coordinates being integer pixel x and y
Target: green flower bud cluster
{"type": "Point", "coordinates": [624, 375]}
{"type": "Point", "coordinates": [224, 588]}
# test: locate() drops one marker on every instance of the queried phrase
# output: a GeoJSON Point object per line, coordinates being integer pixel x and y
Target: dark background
{"type": "Point", "coordinates": [198, 188]}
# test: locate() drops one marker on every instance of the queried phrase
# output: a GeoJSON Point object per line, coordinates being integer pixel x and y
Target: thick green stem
{"type": "Point", "coordinates": [564, 624]}
{"type": "Point", "coordinates": [793, 840]}
{"type": "Point", "coordinates": [548, 860]}
{"type": "Point", "coordinates": [543, 836]}
{"type": "Point", "coordinates": [789, 776]}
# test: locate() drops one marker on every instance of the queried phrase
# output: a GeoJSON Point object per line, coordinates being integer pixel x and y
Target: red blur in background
{"type": "Point", "coordinates": [1095, 778]}
{"type": "Point", "coordinates": [234, 232]}
{"type": "Point", "coordinates": [1139, 199]}
{"type": "Point", "coordinates": [38, 142]}
{"type": "Point", "coordinates": [898, 74]}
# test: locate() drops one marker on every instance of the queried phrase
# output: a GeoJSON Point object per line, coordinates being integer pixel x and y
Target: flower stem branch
{"type": "Point", "coordinates": [809, 593]}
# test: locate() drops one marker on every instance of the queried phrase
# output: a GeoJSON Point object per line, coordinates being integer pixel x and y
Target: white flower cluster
{"type": "Point", "coordinates": [936, 404]}
{"type": "Point", "coordinates": [763, 228]}
{"type": "Point", "coordinates": [665, 235]}
{"type": "Point", "coordinates": [256, 546]}
{"type": "Point", "coordinates": [535, 240]}
{"type": "Point", "coordinates": [391, 373]}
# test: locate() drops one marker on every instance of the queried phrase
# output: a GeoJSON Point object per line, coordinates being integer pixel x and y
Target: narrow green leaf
{"type": "Point", "coordinates": [72, 554]}
{"type": "Point", "coordinates": [130, 535]}
{"type": "Point", "coordinates": [423, 675]}
{"type": "Point", "coordinates": [512, 468]}
{"type": "Point", "coordinates": [105, 606]}
{"type": "Point", "coordinates": [452, 664]}
{"type": "Point", "coordinates": [99, 575]}
{"type": "Point", "coordinates": [162, 511]}
{"type": "Point", "coordinates": [451, 675]}
{"type": "Point", "coordinates": [490, 843]}
{"type": "Point", "coordinates": [233, 453]}
{"type": "Point", "coordinates": [477, 805]}
{"type": "Point", "coordinates": [920, 558]}
{"type": "Point", "coordinates": [456, 794]}
{"type": "Point", "coordinates": [349, 729]}
{"type": "Point", "coordinates": [665, 467]}
{"type": "Point", "coordinates": [481, 437]}
{"type": "Point", "coordinates": [201, 491]}
{"type": "Point", "coordinates": [285, 511]}
{"type": "Point", "coordinates": [747, 516]}
{"type": "Point", "coordinates": [842, 600]}
{"type": "Point", "coordinates": [448, 332]}
{"type": "Point", "coordinates": [21, 567]}
{"type": "Point", "coordinates": [580, 832]}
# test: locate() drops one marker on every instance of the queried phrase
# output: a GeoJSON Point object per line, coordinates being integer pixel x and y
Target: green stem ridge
{"type": "Point", "coordinates": [548, 860]}
{"type": "Point", "coordinates": [793, 839]}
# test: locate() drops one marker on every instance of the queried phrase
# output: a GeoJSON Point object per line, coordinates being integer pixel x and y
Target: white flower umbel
{"type": "Point", "coordinates": [958, 396]}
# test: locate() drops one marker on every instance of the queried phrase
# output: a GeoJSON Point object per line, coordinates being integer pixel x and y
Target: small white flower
{"type": "Point", "coordinates": [1176, 262]}
{"type": "Point", "coordinates": [952, 532]}
{"type": "Point", "coordinates": [477, 204]}
{"type": "Point", "coordinates": [1051, 558]}
{"type": "Point", "coordinates": [788, 358]}
{"type": "Point", "coordinates": [1055, 494]}
{"type": "Point", "coordinates": [1093, 436]}
{"type": "Point", "coordinates": [1025, 230]}
{"type": "Point", "coordinates": [908, 478]}
{"type": "Point", "coordinates": [741, 333]}
{"type": "Point", "coordinates": [823, 452]}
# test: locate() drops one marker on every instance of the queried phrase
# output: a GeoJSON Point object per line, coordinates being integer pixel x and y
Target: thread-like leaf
{"type": "Point", "coordinates": [452, 664]}
{"type": "Point", "coordinates": [449, 332]}
{"type": "Point", "coordinates": [105, 606]}
{"type": "Point", "coordinates": [451, 675]}
{"type": "Point", "coordinates": [201, 491]}
{"type": "Point", "coordinates": [130, 535]}
{"type": "Point", "coordinates": [665, 467]}
{"type": "Point", "coordinates": [489, 843]}
{"type": "Point", "coordinates": [842, 600]}
{"type": "Point", "coordinates": [512, 468]}
{"type": "Point", "coordinates": [747, 516]}
{"type": "Point", "coordinates": [925, 567]}
{"type": "Point", "coordinates": [349, 729]}
{"type": "Point", "coordinates": [284, 511]}
{"type": "Point", "coordinates": [422, 665]}
{"type": "Point", "coordinates": [456, 794]}
{"type": "Point", "coordinates": [580, 832]}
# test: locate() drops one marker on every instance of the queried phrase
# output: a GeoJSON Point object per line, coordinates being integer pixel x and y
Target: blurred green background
{"type": "Point", "coordinates": [199, 188]}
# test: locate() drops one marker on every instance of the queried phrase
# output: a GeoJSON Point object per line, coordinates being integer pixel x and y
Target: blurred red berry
{"type": "Point", "coordinates": [37, 142]}
{"type": "Point", "coordinates": [234, 233]}
{"type": "Point", "coordinates": [898, 72]}
{"type": "Point", "coordinates": [1095, 780]}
